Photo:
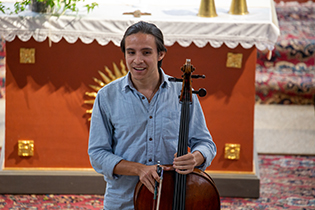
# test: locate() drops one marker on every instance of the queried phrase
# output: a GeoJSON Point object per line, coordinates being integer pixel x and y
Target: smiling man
{"type": "Point", "coordinates": [135, 122]}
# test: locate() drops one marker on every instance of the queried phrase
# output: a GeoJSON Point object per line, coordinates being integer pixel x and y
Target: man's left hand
{"type": "Point", "coordinates": [185, 164]}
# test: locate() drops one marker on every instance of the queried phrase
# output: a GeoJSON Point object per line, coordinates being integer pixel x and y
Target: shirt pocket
{"type": "Point", "coordinates": [170, 126]}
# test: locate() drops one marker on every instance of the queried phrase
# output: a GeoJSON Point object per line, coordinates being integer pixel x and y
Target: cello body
{"type": "Point", "coordinates": [201, 193]}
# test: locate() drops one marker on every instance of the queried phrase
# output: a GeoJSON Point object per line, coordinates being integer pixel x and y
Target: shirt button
{"type": "Point", "coordinates": [150, 139]}
{"type": "Point", "coordinates": [150, 160]}
{"type": "Point", "coordinates": [143, 97]}
{"type": "Point", "coordinates": [150, 117]}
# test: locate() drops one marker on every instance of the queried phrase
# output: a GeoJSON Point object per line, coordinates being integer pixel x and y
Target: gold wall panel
{"type": "Point", "coordinates": [234, 60]}
{"type": "Point", "coordinates": [27, 55]}
{"type": "Point", "coordinates": [232, 151]}
{"type": "Point", "coordinates": [26, 148]}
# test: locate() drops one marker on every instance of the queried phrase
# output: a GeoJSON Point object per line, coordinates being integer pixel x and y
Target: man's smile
{"type": "Point", "coordinates": [139, 69]}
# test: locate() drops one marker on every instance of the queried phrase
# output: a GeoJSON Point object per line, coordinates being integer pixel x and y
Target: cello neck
{"type": "Point", "coordinates": [182, 148]}
{"type": "Point", "coordinates": [185, 99]}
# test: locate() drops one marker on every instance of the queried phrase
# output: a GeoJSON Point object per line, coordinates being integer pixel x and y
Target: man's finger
{"type": "Point", "coordinates": [149, 186]}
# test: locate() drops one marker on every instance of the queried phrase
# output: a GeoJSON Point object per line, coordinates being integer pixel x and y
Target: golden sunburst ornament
{"type": "Point", "coordinates": [106, 79]}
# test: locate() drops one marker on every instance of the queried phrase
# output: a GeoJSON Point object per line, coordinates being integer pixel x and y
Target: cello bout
{"type": "Point", "coordinates": [201, 193]}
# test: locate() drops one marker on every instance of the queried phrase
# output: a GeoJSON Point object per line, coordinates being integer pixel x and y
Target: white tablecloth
{"type": "Point", "coordinates": [177, 19]}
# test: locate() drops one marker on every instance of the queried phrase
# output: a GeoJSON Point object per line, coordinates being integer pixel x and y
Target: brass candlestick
{"type": "Point", "coordinates": [238, 7]}
{"type": "Point", "coordinates": [207, 9]}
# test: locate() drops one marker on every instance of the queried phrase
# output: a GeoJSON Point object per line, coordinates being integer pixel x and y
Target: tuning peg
{"type": "Point", "coordinates": [201, 92]}
{"type": "Point", "coordinates": [198, 76]}
{"type": "Point", "coordinates": [173, 79]}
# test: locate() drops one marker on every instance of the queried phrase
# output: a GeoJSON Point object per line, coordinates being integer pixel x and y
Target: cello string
{"type": "Point", "coordinates": [183, 181]}
{"type": "Point", "coordinates": [181, 204]}
{"type": "Point", "coordinates": [175, 199]}
{"type": "Point", "coordinates": [180, 179]}
{"type": "Point", "coordinates": [184, 148]}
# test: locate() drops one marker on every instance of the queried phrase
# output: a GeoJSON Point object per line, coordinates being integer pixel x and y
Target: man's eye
{"type": "Point", "coordinates": [130, 52]}
{"type": "Point", "coordinates": [147, 52]}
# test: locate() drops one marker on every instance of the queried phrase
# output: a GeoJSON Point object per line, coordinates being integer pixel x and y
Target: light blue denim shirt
{"type": "Point", "coordinates": [125, 125]}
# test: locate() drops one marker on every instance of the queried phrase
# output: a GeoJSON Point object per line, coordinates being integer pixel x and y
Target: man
{"type": "Point", "coordinates": [135, 122]}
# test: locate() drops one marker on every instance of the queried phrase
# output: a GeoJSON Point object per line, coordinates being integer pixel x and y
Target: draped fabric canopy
{"type": "Point", "coordinates": [177, 19]}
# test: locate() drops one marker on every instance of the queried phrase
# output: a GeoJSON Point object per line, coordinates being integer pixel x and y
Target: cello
{"type": "Point", "coordinates": [193, 191]}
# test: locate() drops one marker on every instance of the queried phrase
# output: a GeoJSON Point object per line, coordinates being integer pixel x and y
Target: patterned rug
{"type": "Point", "coordinates": [289, 76]}
{"type": "Point", "coordinates": [287, 182]}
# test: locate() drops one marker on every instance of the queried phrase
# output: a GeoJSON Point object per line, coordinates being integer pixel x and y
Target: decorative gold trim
{"type": "Point", "coordinates": [232, 151]}
{"type": "Point", "coordinates": [27, 55]}
{"type": "Point", "coordinates": [234, 60]}
{"type": "Point", "coordinates": [136, 13]}
{"type": "Point", "coordinates": [105, 79]}
{"type": "Point", "coordinates": [219, 172]}
{"type": "Point", "coordinates": [25, 148]}
{"type": "Point", "coordinates": [230, 172]}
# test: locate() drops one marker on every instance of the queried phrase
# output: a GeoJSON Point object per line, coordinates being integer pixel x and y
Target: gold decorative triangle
{"type": "Point", "coordinates": [106, 78]}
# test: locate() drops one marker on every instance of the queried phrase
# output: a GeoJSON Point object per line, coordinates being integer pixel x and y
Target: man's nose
{"type": "Point", "coordinates": [138, 59]}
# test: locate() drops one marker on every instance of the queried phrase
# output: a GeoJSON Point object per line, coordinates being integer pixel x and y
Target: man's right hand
{"type": "Point", "coordinates": [147, 174]}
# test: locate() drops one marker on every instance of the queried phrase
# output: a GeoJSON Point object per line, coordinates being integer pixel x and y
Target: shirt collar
{"type": "Point", "coordinates": [127, 84]}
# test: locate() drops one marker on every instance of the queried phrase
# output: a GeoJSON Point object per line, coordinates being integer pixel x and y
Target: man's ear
{"type": "Point", "coordinates": [161, 55]}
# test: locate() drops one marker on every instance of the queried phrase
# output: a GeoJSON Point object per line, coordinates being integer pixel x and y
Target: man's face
{"type": "Point", "coordinates": [142, 58]}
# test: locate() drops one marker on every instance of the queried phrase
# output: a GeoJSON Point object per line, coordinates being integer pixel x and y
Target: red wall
{"type": "Point", "coordinates": [45, 100]}
{"type": "Point", "coordinates": [230, 99]}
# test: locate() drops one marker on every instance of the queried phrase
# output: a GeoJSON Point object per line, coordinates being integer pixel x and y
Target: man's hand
{"type": "Point", "coordinates": [148, 175]}
{"type": "Point", "coordinates": [185, 164]}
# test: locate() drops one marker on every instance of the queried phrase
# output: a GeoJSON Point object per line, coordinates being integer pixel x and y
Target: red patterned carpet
{"type": "Point", "coordinates": [287, 182]}
{"type": "Point", "coordinates": [289, 76]}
